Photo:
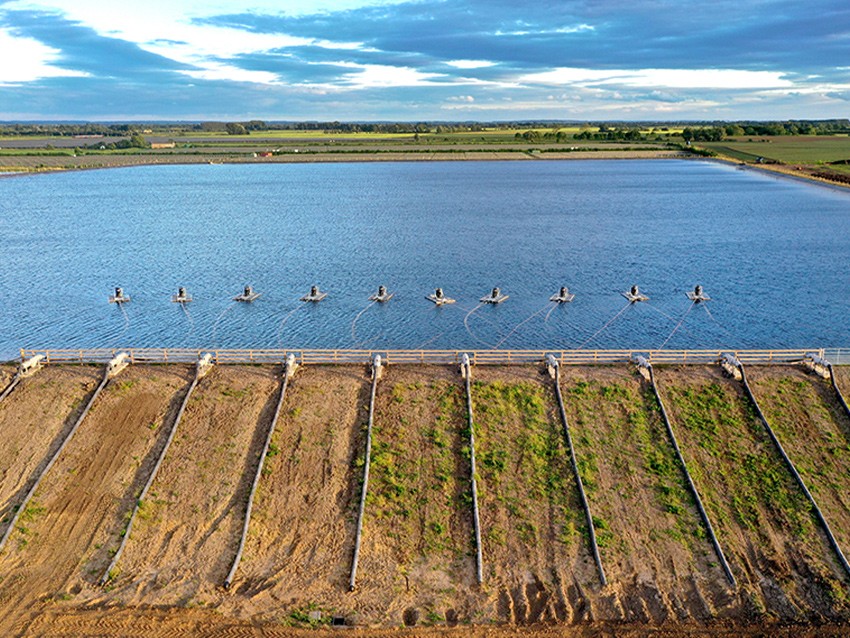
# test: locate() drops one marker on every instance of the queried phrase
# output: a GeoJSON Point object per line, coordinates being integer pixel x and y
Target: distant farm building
{"type": "Point", "coordinates": [162, 144]}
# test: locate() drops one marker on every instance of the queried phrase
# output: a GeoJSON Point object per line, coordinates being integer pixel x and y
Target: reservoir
{"type": "Point", "coordinates": [772, 253]}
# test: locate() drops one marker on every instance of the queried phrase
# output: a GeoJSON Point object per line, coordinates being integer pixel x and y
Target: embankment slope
{"type": "Point", "coordinates": [656, 553]}
{"type": "Point", "coordinates": [784, 566]}
{"type": "Point", "coordinates": [62, 543]}
{"type": "Point", "coordinates": [187, 530]}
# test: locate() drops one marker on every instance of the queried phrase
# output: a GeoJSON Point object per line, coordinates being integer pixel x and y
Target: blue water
{"type": "Point", "coordinates": [774, 254]}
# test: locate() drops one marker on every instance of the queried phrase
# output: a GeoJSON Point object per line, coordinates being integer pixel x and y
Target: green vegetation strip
{"type": "Point", "coordinates": [125, 534]}
{"type": "Point", "coordinates": [838, 391]}
{"type": "Point", "coordinates": [376, 368]}
{"type": "Point", "coordinates": [693, 488]}
{"type": "Point", "coordinates": [476, 519]}
{"type": "Point", "coordinates": [796, 475]}
{"type": "Point", "coordinates": [287, 373]}
{"type": "Point", "coordinates": [31, 492]}
{"type": "Point", "coordinates": [584, 503]}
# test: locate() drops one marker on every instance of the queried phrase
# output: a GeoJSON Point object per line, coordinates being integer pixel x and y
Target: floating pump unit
{"type": "Point", "coordinates": [439, 298]}
{"type": "Point", "coordinates": [315, 295]}
{"type": "Point", "coordinates": [119, 297]}
{"type": "Point", "coordinates": [248, 295]}
{"type": "Point", "coordinates": [382, 295]}
{"type": "Point", "coordinates": [697, 295]}
{"type": "Point", "coordinates": [634, 295]}
{"type": "Point", "coordinates": [181, 296]}
{"type": "Point", "coordinates": [817, 364]}
{"type": "Point", "coordinates": [495, 297]}
{"type": "Point", "coordinates": [563, 296]}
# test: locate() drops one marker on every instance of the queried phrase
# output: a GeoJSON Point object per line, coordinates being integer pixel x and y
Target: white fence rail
{"type": "Point", "coordinates": [477, 357]}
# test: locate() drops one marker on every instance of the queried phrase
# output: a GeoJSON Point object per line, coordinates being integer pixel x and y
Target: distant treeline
{"type": "Point", "coordinates": [634, 131]}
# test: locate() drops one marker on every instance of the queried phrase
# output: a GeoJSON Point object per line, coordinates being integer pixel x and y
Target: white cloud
{"type": "Point", "coordinates": [470, 64]}
{"type": "Point", "coordinates": [32, 60]}
{"type": "Point", "coordinates": [371, 76]}
{"type": "Point", "coordinates": [668, 78]}
{"type": "Point", "coordinates": [577, 28]}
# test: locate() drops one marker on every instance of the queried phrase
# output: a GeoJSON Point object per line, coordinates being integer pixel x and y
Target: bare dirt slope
{"type": "Point", "coordinates": [186, 534]}
{"type": "Point", "coordinates": [810, 424]}
{"type": "Point", "coordinates": [654, 549]}
{"type": "Point", "coordinates": [33, 421]}
{"type": "Point", "coordinates": [301, 538]}
{"type": "Point", "coordinates": [63, 539]}
{"type": "Point", "coordinates": [417, 557]}
{"type": "Point", "coordinates": [537, 565]}
{"type": "Point", "coordinates": [7, 372]}
{"type": "Point", "coordinates": [842, 378]}
{"type": "Point", "coordinates": [784, 567]}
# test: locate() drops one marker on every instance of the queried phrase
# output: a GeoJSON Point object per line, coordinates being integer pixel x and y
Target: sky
{"type": "Point", "coordinates": [449, 60]}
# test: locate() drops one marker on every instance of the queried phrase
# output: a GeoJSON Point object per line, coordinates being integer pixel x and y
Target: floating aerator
{"type": "Point", "coordinates": [181, 296]}
{"type": "Point", "coordinates": [697, 295]}
{"type": "Point", "coordinates": [382, 295]}
{"type": "Point", "coordinates": [634, 295]}
{"type": "Point", "coordinates": [495, 297]}
{"type": "Point", "coordinates": [564, 296]}
{"type": "Point", "coordinates": [315, 294]}
{"type": "Point", "coordinates": [439, 298]}
{"type": "Point", "coordinates": [247, 295]}
{"type": "Point", "coordinates": [119, 297]}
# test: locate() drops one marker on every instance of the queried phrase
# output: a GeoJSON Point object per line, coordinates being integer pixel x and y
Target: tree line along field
{"type": "Point", "coordinates": [418, 551]}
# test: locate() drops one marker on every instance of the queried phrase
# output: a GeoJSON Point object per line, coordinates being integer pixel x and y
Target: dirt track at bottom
{"type": "Point", "coordinates": [655, 551]}
{"type": "Point", "coordinates": [34, 419]}
{"type": "Point", "coordinates": [302, 530]}
{"type": "Point", "coordinates": [62, 542]}
{"type": "Point", "coordinates": [784, 567]}
{"type": "Point", "coordinates": [187, 530]}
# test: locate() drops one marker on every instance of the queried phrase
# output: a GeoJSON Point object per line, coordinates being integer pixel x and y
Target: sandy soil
{"type": "Point", "coordinates": [784, 567]}
{"type": "Point", "coordinates": [658, 560]}
{"type": "Point", "coordinates": [417, 558]}
{"type": "Point", "coordinates": [186, 534]}
{"type": "Point", "coordinates": [63, 540]}
{"type": "Point", "coordinates": [537, 562]}
{"type": "Point", "coordinates": [302, 531]}
{"type": "Point", "coordinates": [805, 414]}
{"type": "Point", "coordinates": [842, 378]}
{"type": "Point", "coordinates": [34, 420]}
{"type": "Point", "coordinates": [7, 371]}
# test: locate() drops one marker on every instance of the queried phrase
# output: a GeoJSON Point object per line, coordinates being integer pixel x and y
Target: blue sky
{"type": "Point", "coordinates": [435, 60]}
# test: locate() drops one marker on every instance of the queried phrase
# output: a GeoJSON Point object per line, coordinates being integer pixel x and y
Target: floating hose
{"type": "Point", "coordinates": [352, 582]}
{"type": "Point", "coordinates": [143, 494]}
{"type": "Point", "coordinates": [288, 371]}
{"type": "Point", "coordinates": [476, 518]}
{"type": "Point", "coordinates": [594, 546]}
{"type": "Point", "coordinates": [818, 514]}
{"type": "Point", "coordinates": [23, 505]}
{"type": "Point", "coordinates": [691, 485]}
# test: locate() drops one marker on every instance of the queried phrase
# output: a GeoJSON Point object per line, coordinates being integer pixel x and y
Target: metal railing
{"type": "Point", "coordinates": [477, 357]}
